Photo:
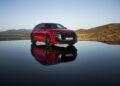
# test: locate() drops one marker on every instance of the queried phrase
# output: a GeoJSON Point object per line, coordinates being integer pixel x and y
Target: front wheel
{"type": "Point", "coordinates": [48, 40]}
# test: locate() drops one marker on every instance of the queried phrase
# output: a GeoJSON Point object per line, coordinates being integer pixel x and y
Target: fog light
{"type": "Point", "coordinates": [60, 56]}
{"type": "Point", "coordinates": [59, 36]}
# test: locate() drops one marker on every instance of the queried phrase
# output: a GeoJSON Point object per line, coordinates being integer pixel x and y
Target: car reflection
{"type": "Point", "coordinates": [53, 55]}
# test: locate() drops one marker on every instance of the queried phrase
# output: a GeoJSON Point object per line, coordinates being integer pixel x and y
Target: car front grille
{"type": "Point", "coordinates": [64, 35]}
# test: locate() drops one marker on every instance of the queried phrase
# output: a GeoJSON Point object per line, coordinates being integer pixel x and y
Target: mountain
{"type": "Point", "coordinates": [20, 34]}
{"type": "Point", "coordinates": [105, 33]}
{"type": "Point", "coordinates": [109, 32]}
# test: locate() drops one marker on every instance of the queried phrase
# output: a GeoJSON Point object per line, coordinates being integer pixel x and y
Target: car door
{"type": "Point", "coordinates": [37, 32]}
{"type": "Point", "coordinates": [42, 32]}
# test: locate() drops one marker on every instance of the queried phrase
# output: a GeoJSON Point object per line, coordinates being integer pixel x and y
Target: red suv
{"type": "Point", "coordinates": [53, 33]}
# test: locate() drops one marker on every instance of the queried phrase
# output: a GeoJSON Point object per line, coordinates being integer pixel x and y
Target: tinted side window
{"type": "Point", "coordinates": [55, 26]}
{"type": "Point", "coordinates": [42, 26]}
{"type": "Point", "coordinates": [37, 27]}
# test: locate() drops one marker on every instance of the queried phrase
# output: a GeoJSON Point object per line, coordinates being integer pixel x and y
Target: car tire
{"type": "Point", "coordinates": [48, 40]}
{"type": "Point", "coordinates": [33, 40]}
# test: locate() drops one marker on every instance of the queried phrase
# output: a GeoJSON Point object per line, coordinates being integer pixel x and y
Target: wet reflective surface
{"type": "Point", "coordinates": [87, 64]}
{"type": "Point", "coordinates": [53, 55]}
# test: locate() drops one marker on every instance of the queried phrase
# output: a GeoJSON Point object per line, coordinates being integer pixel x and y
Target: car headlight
{"type": "Point", "coordinates": [56, 33]}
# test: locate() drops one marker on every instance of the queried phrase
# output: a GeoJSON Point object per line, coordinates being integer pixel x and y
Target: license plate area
{"type": "Point", "coordinates": [68, 55]}
{"type": "Point", "coordinates": [69, 38]}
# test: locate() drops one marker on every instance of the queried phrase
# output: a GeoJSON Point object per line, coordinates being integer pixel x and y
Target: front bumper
{"type": "Point", "coordinates": [61, 39]}
{"type": "Point", "coordinates": [56, 39]}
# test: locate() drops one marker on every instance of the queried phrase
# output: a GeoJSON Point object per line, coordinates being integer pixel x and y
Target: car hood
{"type": "Point", "coordinates": [60, 30]}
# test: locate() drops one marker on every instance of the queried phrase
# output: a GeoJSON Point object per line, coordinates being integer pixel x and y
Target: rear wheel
{"type": "Point", "coordinates": [33, 40]}
{"type": "Point", "coordinates": [48, 40]}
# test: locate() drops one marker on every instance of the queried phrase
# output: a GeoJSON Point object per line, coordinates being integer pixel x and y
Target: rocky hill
{"type": "Point", "coordinates": [20, 34]}
{"type": "Point", "coordinates": [110, 32]}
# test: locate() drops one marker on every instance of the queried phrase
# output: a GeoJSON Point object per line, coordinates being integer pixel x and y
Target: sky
{"type": "Point", "coordinates": [73, 14]}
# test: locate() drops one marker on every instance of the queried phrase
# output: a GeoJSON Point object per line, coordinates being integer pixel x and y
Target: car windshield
{"type": "Point", "coordinates": [55, 26]}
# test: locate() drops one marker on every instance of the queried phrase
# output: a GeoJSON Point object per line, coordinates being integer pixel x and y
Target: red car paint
{"type": "Point", "coordinates": [40, 32]}
{"type": "Point", "coordinates": [53, 55]}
